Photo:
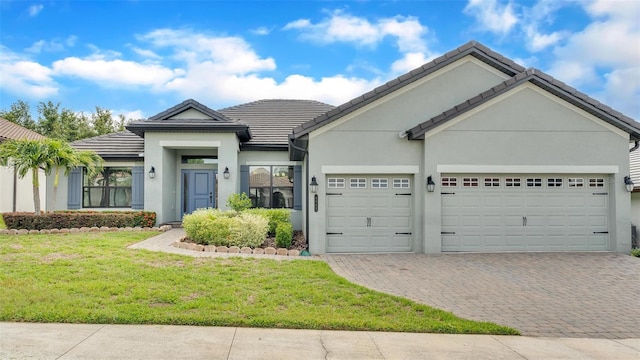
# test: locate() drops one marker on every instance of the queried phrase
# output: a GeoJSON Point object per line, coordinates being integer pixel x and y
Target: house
{"type": "Point", "coordinates": [470, 152]}
{"type": "Point", "coordinates": [17, 193]}
{"type": "Point", "coordinates": [634, 173]}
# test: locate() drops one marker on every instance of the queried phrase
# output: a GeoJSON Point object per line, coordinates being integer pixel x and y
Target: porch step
{"type": "Point", "coordinates": [174, 224]}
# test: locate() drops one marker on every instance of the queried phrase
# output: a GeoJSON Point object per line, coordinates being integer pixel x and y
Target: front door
{"type": "Point", "coordinates": [198, 190]}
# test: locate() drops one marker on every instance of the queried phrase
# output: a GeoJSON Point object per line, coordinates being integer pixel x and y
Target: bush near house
{"type": "Point", "coordinates": [284, 235]}
{"type": "Point", "coordinates": [78, 219]}
{"type": "Point", "coordinates": [274, 216]}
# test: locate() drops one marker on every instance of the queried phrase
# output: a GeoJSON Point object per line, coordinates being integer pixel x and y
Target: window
{"type": "Point", "coordinates": [576, 182]}
{"type": "Point", "coordinates": [491, 182]}
{"type": "Point", "coordinates": [449, 182]}
{"type": "Point", "coordinates": [470, 182]}
{"type": "Point", "coordinates": [379, 183]}
{"type": "Point", "coordinates": [512, 182]}
{"type": "Point", "coordinates": [110, 188]}
{"type": "Point", "coordinates": [596, 183]}
{"type": "Point", "coordinates": [401, 183]}
{"type": "Point", "coordinates": [534, 182]}
{"type": "Point", "coordinates": [195, 159]}
{"type": "Point", "coordinates": [271, 186]}
{"type": "Point", "coordinates": [335, 183]}
{"type": "Point", "coordinates": [358, 183]}
{"type": "Point", "coordinates": [554, 182]}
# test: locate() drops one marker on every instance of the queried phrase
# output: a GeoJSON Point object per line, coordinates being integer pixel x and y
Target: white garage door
{"type": "Point", "coordinates": [368, 213]}
{"type": "Point", "coordinates": [487, 213]}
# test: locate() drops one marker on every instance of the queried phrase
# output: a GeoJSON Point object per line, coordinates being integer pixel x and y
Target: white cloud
{"type": "Point", "coordinates": [145, 53]}
{"type": "Point", "coordinates": [128, 114]}
{"type": "Point", "coordinates": [261, 31]}
{"type": "Point", "coordinates": [19, 75]}
{"type": "Point", "coordinates": [35, 9]}
{"type": "Point", "coordinates": [409, 62]}
{"type": "Point", "coordinates": [492, 16]}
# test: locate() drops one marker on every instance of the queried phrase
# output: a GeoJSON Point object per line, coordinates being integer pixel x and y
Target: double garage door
{"type": "Point", "coordinates": [536, 212]}
{"type": "Point", "coordinates": [369, 213]}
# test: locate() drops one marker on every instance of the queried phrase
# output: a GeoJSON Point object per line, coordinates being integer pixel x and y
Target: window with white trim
{"type": "Point", "coordinates": [512, 182]}
{"type": "Point", "coordinates": [379, 183]}
{"type": "Point", "coordinates": [554, 182]}
{"type": "Point", "coordinates": [534, 182]}
{"type": "Point", "coordinates": [575, 182]}
{"type": "Point", "coordinates": [335, 183]}
{"type": "Point", "coordinates": [491, 182]}
{"type": "Point", "coordinates": [449, 182]}
{"type": "Point", "coordinates": [358, 183]}
{"type": "Point", "coordinates": [402, 183]}
{"type": "Point", "coordinates": [470, 182]}
{"type": "Point", "coordinates": [596, 183]}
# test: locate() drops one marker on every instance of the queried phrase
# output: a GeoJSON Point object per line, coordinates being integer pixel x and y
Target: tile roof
{"type": "Point", "coordinates": [545, 82]}
{"type": "Point", "coordinates": [13, 131]}
{"type": "Point", "coordinates": [272, 120]}
{"type": "Point", "coordinates": [120, 145]}
{"type": "Point", "coordinates": [472, 48]}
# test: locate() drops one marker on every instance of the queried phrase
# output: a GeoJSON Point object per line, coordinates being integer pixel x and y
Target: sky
{"type": "Point", "coordinates": [139, 58]}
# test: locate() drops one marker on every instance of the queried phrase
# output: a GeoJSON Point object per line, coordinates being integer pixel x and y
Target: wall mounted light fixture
{"type": "Point", "coordinates": [628, 183]}
{"type": "Point", "coordinates": [313, 186]}
{"type": "Point", "coordinates": [226, 172]}
{"type": "Point", "coordinates": [431, 186]}
{"type": "Point", "coordinates": [152, 173]}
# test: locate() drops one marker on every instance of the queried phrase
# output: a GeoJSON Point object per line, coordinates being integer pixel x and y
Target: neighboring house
{"type": "Point", "coordinates": [470, 152]}
{"type": "Point", "coordinates": [17, 194]}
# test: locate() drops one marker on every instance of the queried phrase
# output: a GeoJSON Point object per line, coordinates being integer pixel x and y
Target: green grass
{"type": "Point", "coordinates": [94, 278]}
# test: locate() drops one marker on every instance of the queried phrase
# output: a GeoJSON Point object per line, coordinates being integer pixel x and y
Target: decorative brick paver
{"type": "Point", "coordinates": [593, 295]}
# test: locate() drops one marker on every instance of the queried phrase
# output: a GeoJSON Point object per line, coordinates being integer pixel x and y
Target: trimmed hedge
{"type": "Point", "coordinates": [78, 219]}
{"type": "Point", "coordinates": [275, 217]}
{"type": "Point", "coordinates": [225, 228]}
{"type": "Point", "coordinates": [284, 235]}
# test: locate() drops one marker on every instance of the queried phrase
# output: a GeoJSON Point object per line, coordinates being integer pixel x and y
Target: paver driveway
{"type": "Point", "coordinates": [593, 295]}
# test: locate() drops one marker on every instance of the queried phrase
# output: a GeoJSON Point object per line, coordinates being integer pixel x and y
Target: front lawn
{"type": "Point", "coordinates": [94, 278]}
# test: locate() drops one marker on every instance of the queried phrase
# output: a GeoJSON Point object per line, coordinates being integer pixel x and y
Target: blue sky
{"type": "Point", "coordinates": [141, 57]}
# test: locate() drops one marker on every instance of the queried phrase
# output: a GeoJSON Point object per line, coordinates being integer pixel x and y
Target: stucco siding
{"type": "Point", "coordinates": [23, 191]}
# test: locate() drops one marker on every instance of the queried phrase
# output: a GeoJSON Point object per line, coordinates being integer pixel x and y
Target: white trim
{"type": "Point", "coordinates": [274, 163]}
{"type": "Point", "coordinates": [371, 169]}
{"type": "Point", "coordinates": [188, 144]}
{"type": "Point", "coordinates": [528, 169]}
{"type": "Point", "coordinates": [406, 88]}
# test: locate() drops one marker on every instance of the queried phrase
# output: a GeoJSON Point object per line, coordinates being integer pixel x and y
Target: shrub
{"type": "Point", "coordinates": [635, 252]}
{"type": "Point", "coordinates": [284, 235]}
{"type": "Point", "coordinates": [225, 228]}
{"type": "Point", "coordinates": [239, 202]}
{"type": "Point", "coordinates": [77, 219]}
{"type": "Point", "coordinates": [275, 217]}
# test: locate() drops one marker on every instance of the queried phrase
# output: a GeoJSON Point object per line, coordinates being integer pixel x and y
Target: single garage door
{"type": "Point", "coordinates": [490, 213]}
{"type": "Point", "coordinates": [369, 213]}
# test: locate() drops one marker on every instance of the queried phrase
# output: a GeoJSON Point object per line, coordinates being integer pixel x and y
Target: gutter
{"type": "Point", "coordinates": [15, 188]}
{"type": "Point", "coordinates": [635, 146]}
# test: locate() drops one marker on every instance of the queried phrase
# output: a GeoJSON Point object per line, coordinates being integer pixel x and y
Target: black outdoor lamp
{"type": "Point", "coordinates": [152, 173]}
{"type": "Point", "coordinates": [226, 173]}
{"type": "Point", "coordinates": [431, 186]}
{"type": "Point", "coordinates": [314, 185]}
{"type": "Point", "coordinates": [628, 183]}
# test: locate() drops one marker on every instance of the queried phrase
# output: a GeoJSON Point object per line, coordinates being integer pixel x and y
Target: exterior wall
{"type": "Point", "coordinates": [23, 191]}
{"type": "Point", "coordinates": [162, 151]}
{"type": "Point", "coordinates": [635, 210]}
{"type": "Point", "coordinates": [274, 158]}
{"type": "Point", "coordinates": [369, 141]}
{"type": "Point", "coordinates": [529, 127]}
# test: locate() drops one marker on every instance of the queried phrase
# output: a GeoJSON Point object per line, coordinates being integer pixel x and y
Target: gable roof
{"type": "Point", "coordinates": [545, 82]}
{"type": "Point", "coordinates": [120, 145]}
{"type": "Point", "coordinates": [472, 48]}
{"type": "Point", "coordinates": [217, 122]}
{"type": "Point", "coordinates": [272, 120]}
{"type": "Point", "coordinates": [13, 131]}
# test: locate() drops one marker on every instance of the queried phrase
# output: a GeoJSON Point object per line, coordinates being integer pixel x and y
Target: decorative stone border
{"type": "Point", "coordinates": [235, 250]}
{"type": "Point", "coordinates": [162, 228]}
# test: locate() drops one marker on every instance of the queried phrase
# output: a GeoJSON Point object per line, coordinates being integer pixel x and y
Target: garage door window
{"type": "Point", "coordinates": [554, 182]}
{"type": "Point", "coordinates": [379, 183]}
{"type": "Point", "coordinates": [470, 182]}
{"type": "Point", "coordinates": [534, 182]}
{"type": "Point", "coordinates": [401, 183]}
{"type": "Point", "coordinates": [335, 183]}
{"type": "Point", "coordinates": [512, 182]}
{"type": "Point", "coordinates": [596, 183]}
{"type": "Point", "coordinates": [449, 182]}
{"type": "Point", "coordinates": [491, 182]}
{"type": "Point", "coordinates": [575, 182]}
{"type": "Point", "coordinates": [358, 183]}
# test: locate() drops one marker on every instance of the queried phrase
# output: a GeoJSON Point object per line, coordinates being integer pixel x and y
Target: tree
{"type": "Point", "coordinates": [26, 156]}
{"type": "Point", "coordinates": [62, 156]}
{"type": "Point", "coordinates": [102, 121]}
{"type": "Point", "coordinates": [20, 113]}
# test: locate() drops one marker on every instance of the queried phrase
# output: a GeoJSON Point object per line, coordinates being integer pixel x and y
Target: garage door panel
{"type": "Point", "coordinates": [541, 217]}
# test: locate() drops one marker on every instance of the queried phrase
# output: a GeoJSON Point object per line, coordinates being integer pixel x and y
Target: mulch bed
{"type": "Point", "coordinates": [298, 242]}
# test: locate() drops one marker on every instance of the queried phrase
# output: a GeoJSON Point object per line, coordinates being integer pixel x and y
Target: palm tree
{"type": "Point", "coordinates": [26, 156]}
{"type": "Point", "coordinates": [62, 156]}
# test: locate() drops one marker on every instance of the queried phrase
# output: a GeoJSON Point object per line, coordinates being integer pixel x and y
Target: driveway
{"type": "Point", "coordinates": [590, 295]}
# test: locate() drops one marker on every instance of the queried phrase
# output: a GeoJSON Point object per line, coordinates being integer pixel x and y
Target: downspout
{"type": "Point", "coordinates": [15, 188]}
{"type": "Point", "coordinates": [306, 170]}
{"type": "Point", "coordinates": [635, 146]}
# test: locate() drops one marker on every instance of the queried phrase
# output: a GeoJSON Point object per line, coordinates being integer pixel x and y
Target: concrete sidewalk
{"type": "Point", "coordinates": [86, 341]}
